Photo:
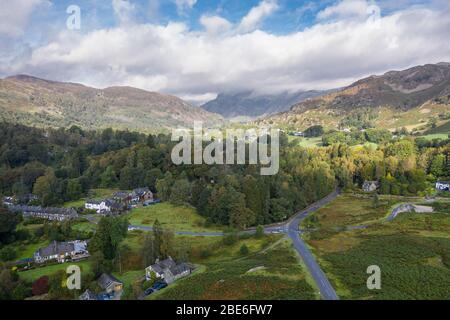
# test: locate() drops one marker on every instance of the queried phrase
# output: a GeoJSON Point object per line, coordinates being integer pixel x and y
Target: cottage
{"type": "Point", "coordinates": [88, 295]}
{"type": "Point", "coordinates": [168, 270]}
{"type": "Point", "coordinates": [52, 214]}
{"type": "Point", "coordinates": [370, 186]}
{"type": "Point", "coordinates": [110, 284]}
{"type": "Point", "coordinates": [443, 186]}
{"type": "Point", "coordinates": [62, 252]}
{"type": "Point", "coordinates": [141, 195]}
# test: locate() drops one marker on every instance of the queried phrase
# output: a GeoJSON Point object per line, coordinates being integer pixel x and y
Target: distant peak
{"type": "Point", "coordinates": [26, 77]}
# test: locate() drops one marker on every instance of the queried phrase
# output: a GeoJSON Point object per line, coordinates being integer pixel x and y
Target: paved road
{"type": "Point", "coordinates": [291, 228]}
{"type": "Point", "coordinates": [326, 289]}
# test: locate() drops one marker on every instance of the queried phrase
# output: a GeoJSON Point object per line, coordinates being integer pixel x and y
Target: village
{"type": "Point", "coordinates": [160, 274]}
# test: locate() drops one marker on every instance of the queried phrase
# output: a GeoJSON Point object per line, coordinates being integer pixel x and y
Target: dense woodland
{"type": "Point", "coordinates": [60, 165]}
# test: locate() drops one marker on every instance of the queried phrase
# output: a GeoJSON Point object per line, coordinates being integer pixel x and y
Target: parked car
{"type": "Point", "coordinates": [105, 296]}
{"type": "Point", "coordinates": [159, 285]}
{"type": "Point", "coordinates": [149, 291]}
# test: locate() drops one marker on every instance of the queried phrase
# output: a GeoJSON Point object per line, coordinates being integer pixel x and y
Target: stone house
{"type": "Point", "coordinates": [168, 270]}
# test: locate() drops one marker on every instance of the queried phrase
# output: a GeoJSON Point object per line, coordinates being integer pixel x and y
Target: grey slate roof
{"type": "Point", "coordinates": [88, 295]}
{"type": "Point", "coordinates": [56, 248]}
{"type": "Point", "coordinates": [140, 191]}
{"type": "Point", "coordinates": [160, 266]}
{"type": "Point", "coordinates": [37, 209]}
{"type": "Point", "coordinates": [179, 269]}
{"type": "Point", "coordinates": [121, 194]}
{"type": "Point", "coordinates": [106, 280]}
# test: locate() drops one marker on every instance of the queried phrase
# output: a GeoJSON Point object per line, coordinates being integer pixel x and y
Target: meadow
{"type": "Point", "coordinates": [412, 252]}
{"type": "Point", "coordinates": [176, 218]}
{"type": "Point", "coordinates": [271, 274]}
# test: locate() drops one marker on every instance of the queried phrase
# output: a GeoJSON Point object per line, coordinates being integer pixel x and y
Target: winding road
{"type": "Point", "coordinates": [326, 289]}
{"type": "Point", "coordinates": [290, 228]}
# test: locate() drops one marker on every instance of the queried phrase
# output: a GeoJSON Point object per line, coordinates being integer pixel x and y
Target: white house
{"type": "Point", "coordinates": [97, 205]}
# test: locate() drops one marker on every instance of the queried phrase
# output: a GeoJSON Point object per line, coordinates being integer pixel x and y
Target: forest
{"type": "Point", "coordinates": [60, 165]}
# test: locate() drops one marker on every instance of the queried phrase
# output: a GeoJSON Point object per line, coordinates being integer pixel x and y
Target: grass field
{"type": "Point", "coordinates": [280, 276]}
{"type": "Point", "coordinates": [177, 218]}
{"type": "Point", "coordinates": [307, 142]}
{"type": "Point", "coordinates": [349, 210]}
{"type": "Point", "coordinates": [85, 227]}
{"type": "Point", "coordinates": [430, 137]}
{"type": "Point", "coordinates": [442, 129]}
{"type": "Point", "coordinates": [412, 252]}
{"type": "Point", "coordinates": [130, 277]}
{"type": "Point", "coordinates": [32, 275]}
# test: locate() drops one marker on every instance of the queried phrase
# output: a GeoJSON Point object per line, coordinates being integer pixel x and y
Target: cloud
{"type": "Point", "coordinates": [347, 9]}
{"type": "Point", "coordinates": [252, 20]}
{"type": "Point", "coordinates": [184, 5]}
{"type": "Point", "coordinates": [172, 58]}
{"type": "Point", "coordinates": [215, 24]}
{"type": "Point", "coordinates": [14, 15]}
{"type": "Point", "coordinates": [123, 9]}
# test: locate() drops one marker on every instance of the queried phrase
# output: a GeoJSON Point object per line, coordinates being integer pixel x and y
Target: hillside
{"type": "Point", "coordinates": [37, 102]}
{"type": "Point", "coordinates": [407, 98]}
{"type": "Point", "coordinates": [253, 105]}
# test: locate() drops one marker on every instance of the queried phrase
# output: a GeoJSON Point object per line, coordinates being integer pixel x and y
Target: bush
{"type": "Point", "coordinates": [40, 286]}
{"type": "Point", "coordinates": [244, 249]}
{"type": "Point", "coordinates": [259, 232]}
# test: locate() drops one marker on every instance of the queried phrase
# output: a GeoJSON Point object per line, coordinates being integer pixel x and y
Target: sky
{"type": "Point", "coordinates": [196, 49]}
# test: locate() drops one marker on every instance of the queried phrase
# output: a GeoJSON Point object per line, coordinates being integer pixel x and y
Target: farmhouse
{"type": "Point", "coordinates": [62, 252]}
{"type": "Point", "coordinates": [370, 186]}
{"type": "Point", "coordinates": [141, 195]}
{"type": "Point", "coordinates": [53, 214]}
{"type": "Point", "coordinates": [168, 270]}
{"type": "Point", "coordinates": [443, 185]}
{"type": "Point", "coordinates": [110, 284]}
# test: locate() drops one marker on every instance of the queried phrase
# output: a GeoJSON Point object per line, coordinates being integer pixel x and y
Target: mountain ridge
{"type": "Point", "coordinates": [252, 104]}
{"type": "Point", "coordinates": [423, 90]}
{"type": "Point", "coordinates": [40, 102]}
